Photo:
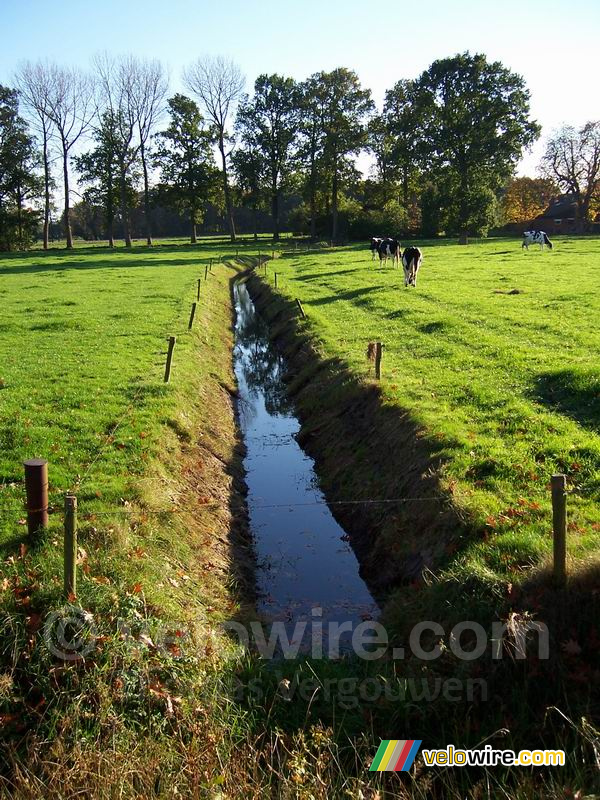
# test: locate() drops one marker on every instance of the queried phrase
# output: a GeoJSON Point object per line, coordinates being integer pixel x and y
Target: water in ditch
{"type": "Point", "coordinates": [307, 570]}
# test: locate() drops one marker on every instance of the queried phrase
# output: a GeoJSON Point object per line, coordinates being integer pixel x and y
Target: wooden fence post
{"type": "Point", "coordinates": [378, 353]}
{"type": "Point", "coordinates": [275, 280]}
{"type": "Point", "coordinates": [198, 292]}
{"type": "Point", "coordinates": [192, 315]}
{"type": "Point", "coordinates": [210, 265]}
{"type": "Point", "coordinates": [299, 304]}
{"type": "Point", "coordinates": [70, 545]}
{"type": "Point", "coordinates": [36, 489]}
{"type": "Point", "coordinates": [559, 527]}
{"type": "Point", "coordinates": [172, 340]}
{"type": "Point", "coordinates": [205, 271]}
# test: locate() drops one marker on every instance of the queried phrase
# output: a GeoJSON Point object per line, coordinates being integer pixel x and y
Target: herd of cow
{"type": "Point", "coordinates": [412, 257]}
{"type": "Point", "coordinates": [390, 248]}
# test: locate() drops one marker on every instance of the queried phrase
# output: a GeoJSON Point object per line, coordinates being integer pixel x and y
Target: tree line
{"type": "Point", "coordinates": [444, 148]}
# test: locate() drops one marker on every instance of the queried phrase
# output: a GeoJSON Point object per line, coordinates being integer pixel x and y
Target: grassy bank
{"type": "Point", "coordinates": [480, 402]}
{"type": "Point", "coordinates": [163, 549]}
{"type": "Point", "coordinates": [491, 364]}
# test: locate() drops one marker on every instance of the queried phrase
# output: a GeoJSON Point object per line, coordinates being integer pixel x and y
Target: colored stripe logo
{"type": "Point", "coordinates": [395, 755]}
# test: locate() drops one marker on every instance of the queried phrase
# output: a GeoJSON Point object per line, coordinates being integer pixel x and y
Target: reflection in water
{"type": "Point", "coordinates": [304, 559]}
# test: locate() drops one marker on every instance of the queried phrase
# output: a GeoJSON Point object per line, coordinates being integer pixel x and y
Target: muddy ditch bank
{"type": "Point", "coordinates": [381, 473]}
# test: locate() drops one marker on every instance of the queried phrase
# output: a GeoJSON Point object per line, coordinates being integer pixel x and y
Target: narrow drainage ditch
{"type": "Point", "coordinates": [307, 571]}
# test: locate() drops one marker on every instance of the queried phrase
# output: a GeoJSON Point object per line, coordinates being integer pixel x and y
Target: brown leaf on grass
{"type": "Point", "coordinates": [22, 522]}
{"type": "Point", "coordinates": [101, 580]}
{"type": "Point", "coordinates": [23, 550]}
{"type": "Point", "coordinates": [137, 588]}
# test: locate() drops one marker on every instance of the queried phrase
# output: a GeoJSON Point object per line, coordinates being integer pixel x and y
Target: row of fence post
{"type": "Point", "coordinates": [36, 487]}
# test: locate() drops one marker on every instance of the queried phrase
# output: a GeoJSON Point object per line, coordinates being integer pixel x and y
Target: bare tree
{"type": "Point", "coordinates": [150, 86]}
{"type": "Point", "coordinates": [70, 109]}
{"type": "Point", "coordinates": [34, 82]}
{"type": "Point", "coordinates": [218, 83]}
{"type": "Point", "coordinates": [118, 78]}
{"type": "Point", "coordinates": [572, 159]}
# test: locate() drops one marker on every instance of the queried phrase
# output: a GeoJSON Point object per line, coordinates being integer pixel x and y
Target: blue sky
{"type": "Point", "coordinates": [554, 45]}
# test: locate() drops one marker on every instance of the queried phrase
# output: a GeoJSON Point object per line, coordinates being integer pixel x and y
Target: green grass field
{"type": "Point", "coordinates": [495, 357]}
{"type": "Point", "coordinates": [505, 385]}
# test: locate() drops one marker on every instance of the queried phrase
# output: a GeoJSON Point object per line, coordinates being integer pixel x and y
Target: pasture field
{"type": "Point", "coordinates": [495, 358]}
{"type": "Point", "coordinates": [503, 383]}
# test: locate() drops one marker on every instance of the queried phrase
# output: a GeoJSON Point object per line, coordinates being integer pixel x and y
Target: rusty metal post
{"type": "Point", "coordinates": [378, 353]}
{"type": "Point", "coordinates": [70, 584]}
{"type": "Point", "coordinates": [36, 488]}
{"type": "Point", "coordinates": [172, 340]}
{"type": "Point", "coordinates": [559, 527]}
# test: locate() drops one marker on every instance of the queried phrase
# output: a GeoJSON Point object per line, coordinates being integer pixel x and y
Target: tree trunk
{"type": "Point", "coordinates": [226, 191]}
{"type": "Point", "coordinates": [20, 217]}
{"type": "Point", "coordinates": [255, 221]}
{"type": "Point", "coordinates": [582, 209]}
{"type": "Point", "coordinates": [146, 195]}
{"type": "Point", "coordinates": [67, 203]}
{"type": "Point", "coordinates": [193, 238]}
{"type": "Point", "coordinates": [334, 203]}
{"type": "Point", "coordinates": [124, 207]}
{"type": "Point", "coordinates": [405, 186]}
{"type": "Point", "coordinates": [463, 237]}
{"type": "Point", "coordinates": [46, 188]}
{"type": "Point", "coordinates": [275, 211]}
{"type": "Point", "coordinates": [313, 198]}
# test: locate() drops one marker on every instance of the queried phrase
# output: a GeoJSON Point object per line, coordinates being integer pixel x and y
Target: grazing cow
{"type": "Point", "coordinates": [411, 261]}
{"type": "Point", "coordinates": [389, 248]}
{"type": "Point", "coordinates": [536, 237]}
{"type": "Point", "coordinates": [375, 242]}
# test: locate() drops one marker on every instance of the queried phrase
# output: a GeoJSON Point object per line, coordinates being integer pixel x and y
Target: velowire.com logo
{"type": "Point", "coordinates": [395, 755]}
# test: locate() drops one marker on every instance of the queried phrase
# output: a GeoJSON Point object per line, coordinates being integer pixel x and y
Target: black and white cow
{"type": "Point", "coordinates": [411, 261]}
{"type": "Point", "coordinates": [389, 248]}
{"type": "Point", "coordinates": [536, 237]}
{"type": "Point", "coordinates": [375, 242]}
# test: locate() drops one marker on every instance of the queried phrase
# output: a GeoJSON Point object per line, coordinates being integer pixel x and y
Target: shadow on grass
{"type": "Point", "coordinates": [574, 393]}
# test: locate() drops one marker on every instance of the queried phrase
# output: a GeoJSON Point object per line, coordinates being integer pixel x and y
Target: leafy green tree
{"type": "Point", "coordinates": [99, 168]}
{"type": "Point", "coordinates": [381, 144]}
{"type": "Point", "coordinates": [19, 183]}
{"type": "Point", "coordinates": [400, 112]}
{"type": "Point", "coordinates": [312, 141]}
{"type": "Point", "coordinates": [345, 108]}
{"type": "Point", "coordinates": [474, 123]}
{"type": "Point", "coordinates": [249, 170]}
{"type": "Point", "coordinates": [268, 123]}
{"type": "Point", "coordinates": [185, 158]}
